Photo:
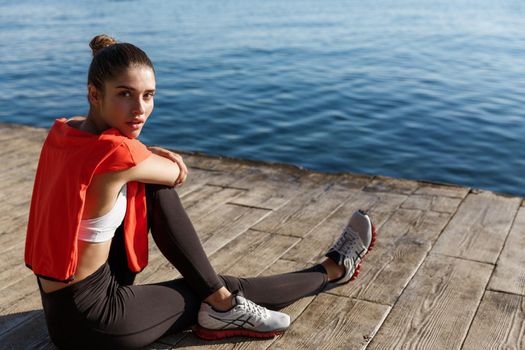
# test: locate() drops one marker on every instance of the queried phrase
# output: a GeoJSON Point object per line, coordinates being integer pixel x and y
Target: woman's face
{"type": "Point", "coordinates": [128, 100]}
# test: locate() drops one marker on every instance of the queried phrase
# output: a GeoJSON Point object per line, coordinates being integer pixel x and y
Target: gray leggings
{"type": "Point", "coordinates": [105, 310]}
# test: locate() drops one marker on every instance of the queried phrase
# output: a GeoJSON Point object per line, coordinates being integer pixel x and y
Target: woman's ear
{"type": "Point", "coordinates": [94, 95]}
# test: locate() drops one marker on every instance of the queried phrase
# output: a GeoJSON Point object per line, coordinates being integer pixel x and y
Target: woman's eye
{"type": "Point", "coordinates": [149, 95]}
{"type": "Point", "coordinates": [125, 93]}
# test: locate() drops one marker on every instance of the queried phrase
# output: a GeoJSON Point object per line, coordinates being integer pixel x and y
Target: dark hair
{"type": "Point", "coordinates": [111, 58]}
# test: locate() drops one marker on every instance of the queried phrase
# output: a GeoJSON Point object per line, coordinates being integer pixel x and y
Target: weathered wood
{"type": "Point", "coordinates": [420, 287]}
{"type": "Point", "coordinates": [388, 268]}
{"type": "Point", "coordinates": [391, 185]}
{"type": "Point", "coordinates": [225, 223]}
{"type": "Point", "coordinates": [437, 306]}
{"type": "Point", "coordinates": [428, 226]}
{"type": "Point", "coordinates": [333, 322]}
{"type": "Point", "coordinates": [434, 203]}
{"type": "Point", "coordinates": [305, 211]}
{"type": "Point", "coordinates": [201, 202]}
{"type": "Point", "coordinates": [229, 255]}
{"type": "Point", "coordinates": [32, 334]}
{"type": "Point", "coordinates": [265, 255]}
{"type": "Point", "coordinates": [499, 323]}
{"type": "Point", "coordinates": [268, 190]}
{"type": "Point", "coordinates": [440, 190]}
{"type": "Point", "coordinates": [379, 205]}
{"type": "Point", "coordinates": [509, 275]}
{"type": "Point", "coordinates": [479, 228]}
{"type": "Point", "coordinates": [17, 302]}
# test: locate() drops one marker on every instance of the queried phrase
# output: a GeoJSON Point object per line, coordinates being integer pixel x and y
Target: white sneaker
{"type": "Point", "coordinates": [353, 244]}
{"type": "Point", "coordinates": [244, 318]}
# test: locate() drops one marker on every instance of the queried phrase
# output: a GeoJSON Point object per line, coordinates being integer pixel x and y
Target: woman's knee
{"type": "Point", "coordinates": [159, 197]}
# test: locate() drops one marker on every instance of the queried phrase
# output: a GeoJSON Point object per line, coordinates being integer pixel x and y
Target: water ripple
{"type": "Point", "coordinates": [425, 90]}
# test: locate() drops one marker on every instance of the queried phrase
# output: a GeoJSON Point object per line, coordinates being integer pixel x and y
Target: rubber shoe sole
{"type": "Point", "coordinates": [214, 334]}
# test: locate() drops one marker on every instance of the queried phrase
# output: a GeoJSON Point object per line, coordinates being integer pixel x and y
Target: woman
{"type": "Point", "coordinates": [98, 192]}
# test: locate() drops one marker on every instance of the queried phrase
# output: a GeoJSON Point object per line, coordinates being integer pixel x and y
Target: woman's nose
{"type": "Point", "coordinates": [139, 107]}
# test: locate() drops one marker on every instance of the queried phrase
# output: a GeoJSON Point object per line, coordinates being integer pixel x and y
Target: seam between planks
{"type": "Point", "coordinates": [422, 262]}
{"type": "Point", "coordinates": [488, 280]}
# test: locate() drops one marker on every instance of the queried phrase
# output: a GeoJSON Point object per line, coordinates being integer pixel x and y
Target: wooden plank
{"type": "Point", "coordinates": [16, 303]}
{"type": "Point", "coordinates": [32, 334]}
{"type": "Point", "coordinates": [207, 162]}
{"type": "Point", "coordinates": [18, 197]}
{"type": "Point", "coordinates": [305, 211]}
{"type": "Point", "coordinates": [499, 323]}
{"type": "Point", "coordinates": [478, 229]}
{"type": "Point", "coordinates": [386, 271]}
{"type": "Point", "coordinates": [225, 223]}
{"type": "Point", "coordinates": [434, 203]}
{"type": "Point", "coordinates": [13, 239]}
{"type": "Point", "coordinates": [379, 205]}
{"type": "Point", "coordinates": [198, 177]}
{"type": "Point", "coordinates": [265, 255]}
{"type": "Point", "coordinates": [509, 275]}
{"type": "Point", "coordinates": [269, 190]}
{"type": "Point", "coordinates": [428, 226]}
{"type": "Point", "coordinates": [13, 131]}
{"type": "Point", "coordinates": [242, 246]}
{"type": "Point", "coordinates": [13, 267]}
{"type": "Point", "coordinates": [345, 180]}
{"type": "Point", "coordinates": [20, 146]}
{"type": "Point", "coordinates": [333, 322]}
{"type": "Point", "coordinates": [391, 185]}
{"type": "Point", "coordinates": [437, 306]}
{"type": "Point", "coordinates": [439, 190]}
{"type": "Point", "coordinates": [195, 180]}
{"type": "Point", "coordinates": [393, 262]}
{"type": "Point", "coordinates": [16, 168]}
{"type": "Point", "coordinates": [205, 199]}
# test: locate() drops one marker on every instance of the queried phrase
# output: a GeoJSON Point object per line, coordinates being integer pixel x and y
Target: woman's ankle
{"type": "Point", "coordinates": [333, 270]}
{"type": "Point", "coordinates": [221, 300]}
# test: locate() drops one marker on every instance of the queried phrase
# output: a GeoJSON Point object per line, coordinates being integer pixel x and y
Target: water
{"type": "Point", "coordinates": [430, 90]}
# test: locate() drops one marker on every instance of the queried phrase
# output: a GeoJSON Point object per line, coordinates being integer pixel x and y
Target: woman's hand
{"type": "Point", "coordinates": [175, 157]}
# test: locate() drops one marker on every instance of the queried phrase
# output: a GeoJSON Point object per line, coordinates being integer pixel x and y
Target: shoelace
{"type": "Point", "coordinates": [253, 308]}
{"type": "Point", "coordinates": [346, 242]}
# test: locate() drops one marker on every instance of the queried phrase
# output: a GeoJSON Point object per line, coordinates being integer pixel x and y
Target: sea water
{"type": "Point", "coordinates": [431, 90]}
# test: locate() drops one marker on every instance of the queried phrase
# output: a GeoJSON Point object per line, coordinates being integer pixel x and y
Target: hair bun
{"type": "Point", "coordinates": [101, 41]}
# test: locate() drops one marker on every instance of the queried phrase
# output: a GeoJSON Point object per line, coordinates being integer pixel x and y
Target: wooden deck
{"type": "Point", "coordinates": [447, 271]}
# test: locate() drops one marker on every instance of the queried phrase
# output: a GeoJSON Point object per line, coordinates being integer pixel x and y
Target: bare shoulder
{"type": "Point", "coordinates": [75, 121]}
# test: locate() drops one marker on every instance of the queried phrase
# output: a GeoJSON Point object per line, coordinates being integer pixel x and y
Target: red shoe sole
{"type": "Point", "coordinates": [356, 272]}
{"type": "Point", "coordinates": [209, 334]}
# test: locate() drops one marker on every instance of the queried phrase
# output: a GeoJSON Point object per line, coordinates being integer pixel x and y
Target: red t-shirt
{"type": "Point", "coordinates": [68, 161]}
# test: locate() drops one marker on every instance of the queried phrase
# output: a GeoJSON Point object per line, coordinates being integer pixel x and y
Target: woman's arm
{"type": "Point", "coordinates": [154, 169]}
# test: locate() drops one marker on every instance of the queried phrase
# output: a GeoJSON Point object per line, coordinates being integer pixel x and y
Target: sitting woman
{"type": "Point", "coordinates": [98, 191]}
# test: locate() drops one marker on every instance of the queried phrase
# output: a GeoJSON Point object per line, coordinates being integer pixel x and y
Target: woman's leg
{"type": "Point", "coordinates": [176, 238]}
{"type": "Point", "coordinates": [278, 291]}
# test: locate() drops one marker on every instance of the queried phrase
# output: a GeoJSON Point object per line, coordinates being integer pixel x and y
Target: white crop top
{"type": "Point", "coordinates": [103, 228]}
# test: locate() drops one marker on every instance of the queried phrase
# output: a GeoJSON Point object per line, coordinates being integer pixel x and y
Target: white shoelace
{"type": "Point", "coordinates": [253, 308]}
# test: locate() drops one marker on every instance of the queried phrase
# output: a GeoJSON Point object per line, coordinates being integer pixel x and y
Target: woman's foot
{"type": "Point", "coordinates": [353, 244]}
{"type": "Point", "coordinates": [244, 318]}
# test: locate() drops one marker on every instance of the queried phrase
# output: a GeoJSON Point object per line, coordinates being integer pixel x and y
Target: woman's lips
{"type": "Point", "coordinates": [135, 125]}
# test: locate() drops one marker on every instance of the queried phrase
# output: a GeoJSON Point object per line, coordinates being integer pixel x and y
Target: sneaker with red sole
{"type": "Point", "coordinates": [245, 318]}
{"type": "Point", "coordinates": [353, 244]}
